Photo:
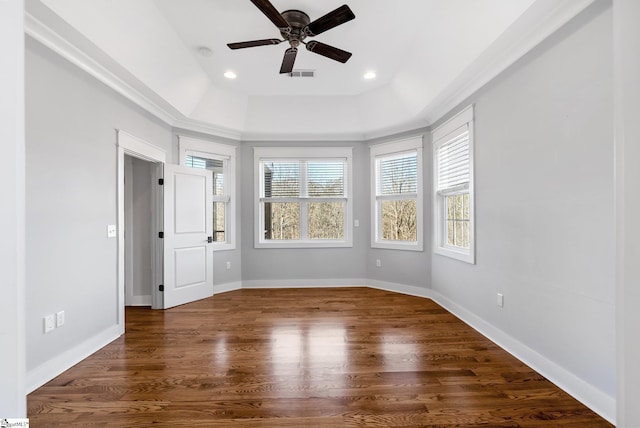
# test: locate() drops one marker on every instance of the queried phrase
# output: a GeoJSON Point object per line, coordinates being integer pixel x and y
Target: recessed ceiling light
{"type": "Point", "coordinates": [370, 75]}
{"type": "Point", "coordinates": [230, 75]}
{"type": "Point", "coordinates": [205, 51]}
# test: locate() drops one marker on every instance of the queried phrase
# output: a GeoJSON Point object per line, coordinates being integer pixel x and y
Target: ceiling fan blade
{"type": "Point", "coordinates": [328, 51]}
{"type": "Point", "coordinates": [253, 43]}
{"type": "Point", "coordinates": [330, 20]}
{"type": "Point", "coordinates": [271, 12]}
{"type": "Point", "coordinates": [288, 60]}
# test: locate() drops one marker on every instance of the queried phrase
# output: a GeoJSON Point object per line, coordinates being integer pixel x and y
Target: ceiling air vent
{"type": "Point", "coordinates": [302, 73]}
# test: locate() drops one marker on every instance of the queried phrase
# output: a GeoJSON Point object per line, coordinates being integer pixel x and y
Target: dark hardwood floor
{"type": "Point", "coordinates": [353, 357]}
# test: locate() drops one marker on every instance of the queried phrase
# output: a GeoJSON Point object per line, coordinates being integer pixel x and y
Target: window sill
{"type": "Point", "coordinates": [463, 256]}
{"type": "Point", "coordinates": [223, 247]}
{"type": "Point", "coordinates": [304, 244]}
{"type": "Point", "coordinates": [397, 245]}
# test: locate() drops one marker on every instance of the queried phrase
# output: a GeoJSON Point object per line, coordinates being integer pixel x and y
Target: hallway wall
{"type": "Point", "coordinates": [71, 122]}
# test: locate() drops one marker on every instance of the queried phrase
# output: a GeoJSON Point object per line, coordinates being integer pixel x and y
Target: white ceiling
{"type": "Point", "coordinates": [428, 55]}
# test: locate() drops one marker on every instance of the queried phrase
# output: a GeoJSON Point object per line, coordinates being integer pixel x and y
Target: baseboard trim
{"type": "Point", "coordinates": [410, 290]}
{"type": "Point", "coordinates": [58, 364]}
{"type": "Point", "coordinates": [141, 300]}
{"type": "Point", "coordinates": [592, 397]}
{"type": "Point", "coordinates": [225, 288]}
{"type": "Point", "coordinates": [306, 283]}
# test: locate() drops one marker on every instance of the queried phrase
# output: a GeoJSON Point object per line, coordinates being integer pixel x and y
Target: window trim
{"type": "Point", "coordinates": [213, 150]}
{"type": "Point", "coordinates": [311, 154]}
{"type": "Point", "coordinates": [389, 149]}
{"type": "Point", "coordinates": [462, 122]}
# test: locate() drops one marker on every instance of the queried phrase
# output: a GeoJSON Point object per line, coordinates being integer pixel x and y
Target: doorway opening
{"type": "Point", "coordinates": [133, 150]}
{"type": "Point", "coordinates": [138, 231]}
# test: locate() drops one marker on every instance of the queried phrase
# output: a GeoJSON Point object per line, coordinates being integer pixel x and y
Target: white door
{"type": "Point", "coordinates": [188, 228]}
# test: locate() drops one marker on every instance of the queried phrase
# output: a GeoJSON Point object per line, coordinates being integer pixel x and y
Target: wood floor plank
{"type": "Point", "coordinates": [350, 357]}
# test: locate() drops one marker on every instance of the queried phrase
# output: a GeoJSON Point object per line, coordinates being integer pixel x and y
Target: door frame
{"type": "Point", "coordinates": [138, 148]}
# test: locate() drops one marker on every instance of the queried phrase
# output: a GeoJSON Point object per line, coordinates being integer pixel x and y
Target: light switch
{"type": "Point", "coordinates": [111, 231]}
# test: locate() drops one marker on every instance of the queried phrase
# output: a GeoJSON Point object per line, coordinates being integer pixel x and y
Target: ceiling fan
{"type": "Point", "coordinates": [295, 26]}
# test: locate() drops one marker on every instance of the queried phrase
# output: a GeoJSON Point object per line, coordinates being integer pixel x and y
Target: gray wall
{"type": "Point", "coordinates": [307, 263]}
{"type": "Point", "coordinates": [544, 203]}
{"type": "Point", "coordinates": [71, 198]}
{"type": "Point", "coordinates": [398, 266]}
{"type": "Point", "coordinates": [627, 126]}
{"type": "Point", "coordinates": [141, 227]}
{"type": "Point", "coordinates": [12, 174]}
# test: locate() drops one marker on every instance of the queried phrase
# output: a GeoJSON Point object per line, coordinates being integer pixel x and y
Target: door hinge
{"type": "Point", "coordinates": [161, 287]}
{"type": "Point", "coordinates": [161, 181]}
{"type": "Point", "coordinates": [160, 235]}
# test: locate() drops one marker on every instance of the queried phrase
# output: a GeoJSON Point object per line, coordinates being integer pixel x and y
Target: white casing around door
{"type": "Point", "coordinates": [188, 222]}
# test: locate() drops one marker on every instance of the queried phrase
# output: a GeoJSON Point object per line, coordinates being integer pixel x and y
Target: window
{"type": "Point", "coordinates": [220, 160]}
{"type": "Point", "coordinates": [453, 196]}
{"type": "Point", "coordinates": [397, 195]}
{"type": "Point", "coordinates": [303, 197]}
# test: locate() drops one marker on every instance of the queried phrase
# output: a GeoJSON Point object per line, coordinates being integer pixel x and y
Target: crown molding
{"type": "Point", "coordinates": [48, 37]}
{"type": "Point", "coordinates": [206, 128]}
{"type": "Point", "coordinates": [344, 136]}
{"type": "Point", "coordinates": [419, 124]}
{"type": "Point", "coordinates": [542, 19]}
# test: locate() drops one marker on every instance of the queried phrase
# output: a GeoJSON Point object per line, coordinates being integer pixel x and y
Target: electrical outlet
{"type": "Point", "coordinates": [356, 223]}
{"type": "Point", "coordinates": [111, 231]}
{"type": "Point", "coordinates": [228, 265]}
{"type": "Point", "coordinates": [500, 300]}
{"type": "Point", "coordinates": [378, 263]}
{"type": "Point", "coordinates": [49, 323]}
{"type": "Point", "coordinates": [59, 319]}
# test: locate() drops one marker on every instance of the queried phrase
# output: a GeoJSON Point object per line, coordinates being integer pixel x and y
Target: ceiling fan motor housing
{"type": "Point", "coordinates": [295, 26]}
{"type": "Point", "coordinates": [297, 20]}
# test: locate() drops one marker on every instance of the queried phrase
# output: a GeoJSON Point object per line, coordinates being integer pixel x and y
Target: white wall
{"type": "Point", "coordinates": [627, 127]}
{"type": "Point", "coordinates": [12, 172]}
{"type": "Point", "coordinates": [71, 198]}
{"type": "Point", "coordinates": [544, 210]}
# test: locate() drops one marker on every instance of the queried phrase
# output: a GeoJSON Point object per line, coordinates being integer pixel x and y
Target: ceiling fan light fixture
{"type": "Point", "coordinates": [370, 75]}
{"type": "Point", "coordinates": [230, 75]}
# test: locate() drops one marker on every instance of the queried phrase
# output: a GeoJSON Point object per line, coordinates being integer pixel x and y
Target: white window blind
{"type": "Point", "coordinates": [397, 174]}
{"type": "Point", "coordinates": [281, 179]}
{"type": "Point", "coordinates": [325, 179]}
{"type": "Point", "coordinates": [396, 184]}
{"type": "Point", "coordinates": [453, 205]}
{"type": "Point", "coordinates": [313, 179]}
{"type": "Point", "coordinates": [215, 165]}
{"type": "Point", "coordinates": [453, 163]}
